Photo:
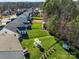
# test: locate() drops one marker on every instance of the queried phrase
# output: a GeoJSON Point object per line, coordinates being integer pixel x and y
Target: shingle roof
{"type": "Point", "coordinates": [1, 27]}
{"type": "Point", "coordinates": [11, 55]}
{"type": "Point", "coordinates": [9, 43]}
{"type": "Point", "coordinates": [19, 20]}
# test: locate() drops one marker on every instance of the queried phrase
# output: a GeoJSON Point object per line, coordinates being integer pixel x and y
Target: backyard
{"type": "Point", "coordinates": [47, 41]}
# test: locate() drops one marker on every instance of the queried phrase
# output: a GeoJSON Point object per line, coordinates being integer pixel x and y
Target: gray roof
{"type": "Point", "coordinates": [9, 43]}
{"type": "Point", "coordinates": [17, 22]}
{"type": "Point", "coordinates": [10, 47]}
{"type": "Point", "coordinates": [11, 55]}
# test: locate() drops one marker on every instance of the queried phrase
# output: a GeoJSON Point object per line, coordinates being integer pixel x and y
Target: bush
{"type": "Point", "coordinates": [51, 24]}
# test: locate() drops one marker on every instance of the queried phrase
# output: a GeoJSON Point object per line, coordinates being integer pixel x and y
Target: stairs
{"type": "Point", "coordinates": [46, 54]}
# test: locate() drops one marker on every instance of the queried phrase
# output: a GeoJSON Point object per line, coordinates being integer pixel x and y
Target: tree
{"type": "Point", "coordinates": [73, 31]}
{"type": "Point", "coordinates": [52, 21]}
{"type": "Point", "coordinates": [64, 20]}
{"type": "Point", "coordinates": [65, 9]}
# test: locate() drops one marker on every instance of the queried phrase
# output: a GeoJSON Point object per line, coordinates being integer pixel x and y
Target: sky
{"type": "Point", "coordinates": [75, 0]}
{"type": "Point", "coordinates": [22, 0]}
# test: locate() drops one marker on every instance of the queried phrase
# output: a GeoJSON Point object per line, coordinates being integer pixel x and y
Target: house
{"type": "Point", "coordinates": [4, 21]}
{"type": "Point", "coordinates": [15, 26]}
{"type": "Point", "coordinates": [6, 12]}
{"type": "Point", "coordinates": [12, 16]}
{"type": "Point", "coordinates": [19, 12]}
{"type": "Point", "coordinates": [10, 47]}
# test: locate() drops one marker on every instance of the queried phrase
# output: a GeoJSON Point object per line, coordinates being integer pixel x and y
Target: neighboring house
{"type": "Point", "coordinates": [4, 21]}
{"type": "Point", "coordinates": [12, 16]}
{"type": "Point", "coordinates": [15, 26]}
{"type": "Point", "coordinates": [19, 12]}
{"type": "Point", "coordinates": [10, 47]}
{"type": "Point", "coordinates": [7, 12]}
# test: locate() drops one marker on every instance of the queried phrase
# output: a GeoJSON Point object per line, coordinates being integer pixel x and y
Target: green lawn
{"type": "Point", "coordinates": [35, 53]}
{"type": "Point", "coordinates": [37, 18]}
{"type": "Point", "coordinates": [47, 41]}
{"type": "Point", "coordinates": [60, 53]}
{"type": "Point", "coordinates": [36, 26]}
{"type": "Point", "coordinates": [37, 33]}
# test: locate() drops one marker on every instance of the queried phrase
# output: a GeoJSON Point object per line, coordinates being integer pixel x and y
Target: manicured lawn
{"type": "Point", "coordinates": [36, 26]}
{"type": "Point", "coordinates": [47, 41]}
{"type": "Point", "coordinates": [60, 53]}
{"type": "Point", "coordinates": [37, 18]}
{"type": "Point", "coordinates": [35, 53]}
{"type": "Point", "coordinates": [37, 33]}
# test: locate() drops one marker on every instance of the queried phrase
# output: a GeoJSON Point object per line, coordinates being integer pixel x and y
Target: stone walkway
{"type": "Point", "coordinates": [37, 21]}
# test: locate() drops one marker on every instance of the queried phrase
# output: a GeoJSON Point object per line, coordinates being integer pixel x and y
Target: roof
{"type": "Point", "coordinates": [11, 55]}
{"type": "Point", "coordinates": [1, 27]}
{"type": "Point", "coordinates": [9, 43]}
{"type": "Point", "coordinates": [17, 22]}
{"type": "Point", "coordinates": [21, 28]}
